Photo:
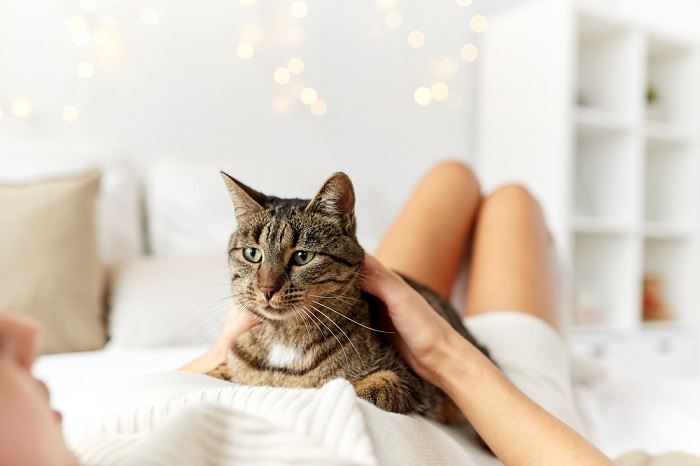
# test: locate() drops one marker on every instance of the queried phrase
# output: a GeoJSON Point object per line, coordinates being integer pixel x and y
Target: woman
{"type": "Point", "coordinates": [510, 308]}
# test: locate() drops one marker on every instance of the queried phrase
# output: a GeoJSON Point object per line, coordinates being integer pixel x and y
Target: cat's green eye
{"type": "Point", "coordinates": [252, 255]}
{"type": "Point", "coordinates": [302, 257]}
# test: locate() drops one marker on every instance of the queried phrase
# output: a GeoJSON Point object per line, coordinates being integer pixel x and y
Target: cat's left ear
{"type": "Point", "coordinates": [336, 198]}
{"type": "Point", "coordinates": [245, 200]}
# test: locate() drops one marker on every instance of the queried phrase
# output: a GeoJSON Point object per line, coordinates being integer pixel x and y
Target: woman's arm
{"type": "Point", "coordinates": [237, 322]}
{"type": "Point", "coordinates": [516, 429]}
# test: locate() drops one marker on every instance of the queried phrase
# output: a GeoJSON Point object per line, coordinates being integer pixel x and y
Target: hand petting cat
{"type": "Point", "coordinates": [238, 321]}
{"type": "Point", "coordinates": [422, 336]}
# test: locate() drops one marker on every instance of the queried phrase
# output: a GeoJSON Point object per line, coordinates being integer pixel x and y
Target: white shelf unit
{"type": "Point", "coordinates": [563, 109]}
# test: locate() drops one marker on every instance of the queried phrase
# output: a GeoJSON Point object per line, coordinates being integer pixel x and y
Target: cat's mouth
{"type": "Point", "coordinates": [269, 312]}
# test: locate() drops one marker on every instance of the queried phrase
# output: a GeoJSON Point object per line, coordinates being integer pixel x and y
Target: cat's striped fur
{"type": "Point", "coordinates": [318, 325]}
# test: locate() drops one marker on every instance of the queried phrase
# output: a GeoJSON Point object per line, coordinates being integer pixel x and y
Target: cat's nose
{"type": "Point", "coordinates": [268, 291]}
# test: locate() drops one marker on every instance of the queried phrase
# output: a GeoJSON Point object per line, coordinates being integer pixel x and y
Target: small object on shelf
{"type": "Point", "coordinates": [587, 307]}
{"type": "Point", "coordinates": [654, 110]}
{"type": "Point", "coordinates": [655, 307]}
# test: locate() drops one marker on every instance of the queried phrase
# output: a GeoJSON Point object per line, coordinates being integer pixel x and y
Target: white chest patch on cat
{"type": "Point", "coordinates": [282, 356]}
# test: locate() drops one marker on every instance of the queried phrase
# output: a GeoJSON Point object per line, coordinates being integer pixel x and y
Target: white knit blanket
{"type": "Point", "coordinates": [178, 418]}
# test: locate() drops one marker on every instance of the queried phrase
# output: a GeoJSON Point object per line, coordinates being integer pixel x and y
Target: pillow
{"type": "Point", "coordinates": [169, 301]}
{"type": "Point", "coordinates": [119, 216]}
{"type": "Point", "coordinates": [49, 266]}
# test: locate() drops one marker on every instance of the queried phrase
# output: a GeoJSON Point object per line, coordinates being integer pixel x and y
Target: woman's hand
{"type": "Point", "coordinates": [423, 337]}
{"type": "Point", "coordinates": [518, 430]}
{"type": "Point", "coordinates": [237, 322]}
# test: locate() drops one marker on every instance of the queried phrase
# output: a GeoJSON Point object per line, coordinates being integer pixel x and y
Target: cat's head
{"type": "Point", "coordinates": [288, 254]}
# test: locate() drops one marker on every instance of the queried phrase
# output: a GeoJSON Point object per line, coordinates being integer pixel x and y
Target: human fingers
{"type": "Point", "coordinates": [20, 338]}
{"type": "Point", "coordinates": [384, 283]}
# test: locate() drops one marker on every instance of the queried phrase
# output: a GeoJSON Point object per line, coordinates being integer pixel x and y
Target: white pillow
{"type": "Point", "coordinates": [190, 212]}
{"type": "Point", "coordinates": [171, 301]}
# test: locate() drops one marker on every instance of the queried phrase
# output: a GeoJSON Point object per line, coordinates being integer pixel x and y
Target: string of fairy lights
{"type": "Point", "coordinates": [104, 33]}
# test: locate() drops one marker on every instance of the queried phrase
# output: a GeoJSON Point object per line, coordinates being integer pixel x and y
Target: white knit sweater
{"type": "Point", "coordinates": [178, 418]}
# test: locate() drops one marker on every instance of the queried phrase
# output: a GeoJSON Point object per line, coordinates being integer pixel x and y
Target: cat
{"type": "Point", "coordinates": [296, 265]}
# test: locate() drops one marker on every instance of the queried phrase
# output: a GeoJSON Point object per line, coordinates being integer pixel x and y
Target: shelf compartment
{"type": "Point", "coordinates": [606, 281]}
{"type": "Point", "coordinates": [671, 66]}
{"type": "Point", "coordinates": [670, 261]}
{"type": "Point", "coordinates": [670, 186]}
{"type": "Point", "coordinates": [592, 121]}
{"type": "Point", "coordinates": [660, 230]}
{"type": "Point", "coordinates": [610, 58]}
{"type": "Point", "coordinates": [661, 134]}
{"type": "Point", "coordinates": [606, 172]}
{"type": "Point", "coordinates": [599, 226]}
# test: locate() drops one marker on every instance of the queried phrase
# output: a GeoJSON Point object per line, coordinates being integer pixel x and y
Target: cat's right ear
{"type": "Point", "coordinates": [246, 200]}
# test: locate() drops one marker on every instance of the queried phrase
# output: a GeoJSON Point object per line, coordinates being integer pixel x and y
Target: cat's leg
{"type": "Point", "coordinates": [386, 390]}
{"type": "Point", "coordinates": [220, 372]}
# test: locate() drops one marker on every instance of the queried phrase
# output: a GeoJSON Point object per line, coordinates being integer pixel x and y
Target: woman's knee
{"type": "Point", "coordinates": [512, 203]}
{"type": "Point", "coordinates": [455, 175]}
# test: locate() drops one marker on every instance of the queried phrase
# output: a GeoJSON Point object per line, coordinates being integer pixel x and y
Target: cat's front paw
{"type": "Point", "coordinates": [385, 390]}
{"type": "Point", "coordinates": [220, 372]}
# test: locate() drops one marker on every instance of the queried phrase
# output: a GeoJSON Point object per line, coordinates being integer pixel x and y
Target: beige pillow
{"type": "Point", "coordinates": [641, 458]}
{"type": "Point", "coordinates": [49, 265]}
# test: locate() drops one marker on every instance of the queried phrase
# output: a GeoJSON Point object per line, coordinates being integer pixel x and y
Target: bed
{"type": "Point", "coordinates": [167, 305]}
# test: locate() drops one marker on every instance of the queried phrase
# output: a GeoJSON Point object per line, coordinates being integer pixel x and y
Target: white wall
{"type": "Point", "coordinates": [178, 88]}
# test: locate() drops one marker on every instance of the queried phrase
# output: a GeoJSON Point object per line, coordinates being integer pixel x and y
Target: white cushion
{"type": "Point", "coordinates": [190, 212]}
{"type": "Point", "coordinates": [169, 301]}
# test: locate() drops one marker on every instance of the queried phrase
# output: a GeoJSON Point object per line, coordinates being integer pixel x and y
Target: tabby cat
{"type": "Point", "coordinates": [296, 265]}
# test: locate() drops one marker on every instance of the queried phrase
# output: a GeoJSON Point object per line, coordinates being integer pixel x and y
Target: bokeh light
{"type": "Point", "coordinates": [308, 96]}
{"type": "Point", "coordinates": [318, 108]}
{"type": "Point", "coordinates": [439, 91]}
{"type": "Point", "coordinates": [464, 3]}
{"type": "Point", "coordinates": [393, 20]}
{"type": "Point", "coordinates": [296, 65]}
{"type": "Point", "coordinates": [469, 52]}
{"type": "Point", "coordinates": [21, 108]}
{"type": "Point", "coordinates": [423, 96]}
{"type": "Point", "coordinates": [386, 4]}
{"type": "Point", "coordinates": [150, 17]}
{"type": "Point", "coordinates": [70, 113]}
{"type": "Point", "coordinates": [416, 39]}
{"type": "Point", "coordinates": [447, 66]}
{"type": "Point", "coordinates": [86, 69]}
{"type": "Point", "coordinates": [281, 75]}
{"type": "Point", "coordinates": [252, 33]}
{"type": "Point", "coordinates": [299, 9]}
{"type": "Point", "coordinates": [478, 23]}
{"type": "Point", "coordinates": [245, 51]}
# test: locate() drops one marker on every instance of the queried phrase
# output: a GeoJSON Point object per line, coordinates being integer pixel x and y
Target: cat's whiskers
{"type": "Point", "coordinates": [205, 308]}
{"type": "Point", "coordinates": [211, 309]}
{"type": "Point", "coordinates": [347, 360]}
{"type": "Point", "coordinates": [343, 332]}
{"type": "Point", "coordinates": [363, 275]}
{"type": "Point", "coordinates": [303, 319]}
{"type": "Point", "coordinates": [236, 304]}
{"type": "Point", "coordinates": [346, 317]}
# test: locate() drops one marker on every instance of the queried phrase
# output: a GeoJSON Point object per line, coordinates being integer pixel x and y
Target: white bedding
{"type": "Point", "coordinates": [622, 415]}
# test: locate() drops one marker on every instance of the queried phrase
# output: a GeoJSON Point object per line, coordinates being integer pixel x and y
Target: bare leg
{"type": "Point", "coordinates": [426, 242]}
{"type": "Point", "coordinates": [511, 267]}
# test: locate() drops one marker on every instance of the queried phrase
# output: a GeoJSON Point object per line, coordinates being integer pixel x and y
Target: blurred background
{"type": "Point", "coordinates": [592, 104]}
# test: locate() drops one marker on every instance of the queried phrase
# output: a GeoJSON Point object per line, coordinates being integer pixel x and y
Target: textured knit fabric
{"type": "Point", "coordinates": [178, 418]}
